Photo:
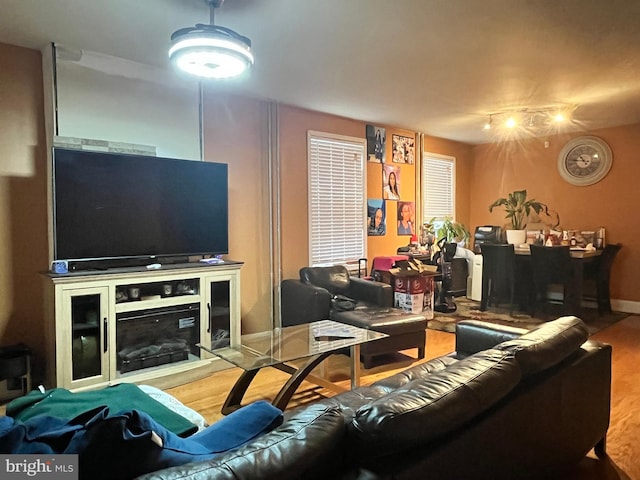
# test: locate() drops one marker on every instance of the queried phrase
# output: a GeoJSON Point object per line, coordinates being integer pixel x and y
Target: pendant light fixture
{"type": "Point", "coordinates": [211, 51]}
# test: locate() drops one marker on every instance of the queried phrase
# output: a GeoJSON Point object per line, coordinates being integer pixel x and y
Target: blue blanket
{"type": "Point", "coordinates": [129, 443]}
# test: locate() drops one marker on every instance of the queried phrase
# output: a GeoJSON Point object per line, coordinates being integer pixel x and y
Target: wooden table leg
{"type": "Point", "coordinates": [234, 399]}
{"type": "Point", "coordinates": [574, 294]}
{"type": "Point", "coordinates": [298, 375]}
{"type": "Point", "coordinates": [289, 388]}
{"type": "Point", "coordinates": [355, 366]}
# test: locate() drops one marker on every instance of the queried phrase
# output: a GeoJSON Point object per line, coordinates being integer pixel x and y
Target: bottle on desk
{"type": "Point", "coordinates": [600, 238]}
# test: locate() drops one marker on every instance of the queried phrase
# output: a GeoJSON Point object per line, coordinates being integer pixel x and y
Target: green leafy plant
{"type": "Point", "coordinates": [518, 208]}
{"type": "Point", "coordinates": [447, 228]}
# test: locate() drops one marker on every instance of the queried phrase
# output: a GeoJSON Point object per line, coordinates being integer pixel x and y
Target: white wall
{"type": "Point", "coordinates": [107, 98]}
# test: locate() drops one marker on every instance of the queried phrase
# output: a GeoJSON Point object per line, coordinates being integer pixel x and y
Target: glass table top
{"type": "Point", "coordinates": [263, 349]}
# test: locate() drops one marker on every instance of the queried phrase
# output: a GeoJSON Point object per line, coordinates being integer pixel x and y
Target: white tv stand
{"type": "Point", "coordinates": [138, 325]}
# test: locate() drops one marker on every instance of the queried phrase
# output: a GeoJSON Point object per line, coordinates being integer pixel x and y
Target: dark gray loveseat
{"type": "Point", "coordinates": [503, 406]}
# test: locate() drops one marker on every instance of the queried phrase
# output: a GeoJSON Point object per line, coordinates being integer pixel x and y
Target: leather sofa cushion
{"type": "Point", "coordinates": [350, 401]}
{"type": "Point", "coordinates": [334, 278]}
{"type": "Point", "coordinates": [428, 408]}
{"type": "Point", "coordinates": [417, 371]}
{"type": "Point", "coordinates": [392, 321]}
{"type": "Point", "coordinates": [547, 345]}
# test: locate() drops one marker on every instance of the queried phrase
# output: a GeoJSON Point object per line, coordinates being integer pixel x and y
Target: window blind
{"type": "Point", "coordinates": [337, 214]}
{"type": "Point", "coordinates": [438, 187]}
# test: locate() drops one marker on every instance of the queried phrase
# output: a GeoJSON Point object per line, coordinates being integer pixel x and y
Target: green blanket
{"type": "Point", "coordinates": [62, 403]}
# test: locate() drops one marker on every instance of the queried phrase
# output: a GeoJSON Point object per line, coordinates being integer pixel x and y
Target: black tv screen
{"type": "Point", "coordinates": [112, 205]}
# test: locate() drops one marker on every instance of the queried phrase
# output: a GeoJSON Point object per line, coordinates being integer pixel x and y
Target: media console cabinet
{"type": "Point", "coordinates": [138, 325]}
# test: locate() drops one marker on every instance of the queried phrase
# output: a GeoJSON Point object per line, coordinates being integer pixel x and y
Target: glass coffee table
{"type": "Point", "coordinates": [276, 348]}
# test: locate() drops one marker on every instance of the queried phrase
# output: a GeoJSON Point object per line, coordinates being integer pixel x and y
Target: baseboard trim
{"type": "Point", "coordinates": [627, 306]}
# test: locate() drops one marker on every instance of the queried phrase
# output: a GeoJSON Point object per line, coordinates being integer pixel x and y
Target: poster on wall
{"type": "Point", "coordinates": [376, 143]}
{"type": "Point", "coordinates": [390, 182]}
{"type": "Point", "coordinates": [406, 221]}
{"type": "Point", "coordinates": [376, 217]}
{"type": "Point", "coordinates": [403, 149]}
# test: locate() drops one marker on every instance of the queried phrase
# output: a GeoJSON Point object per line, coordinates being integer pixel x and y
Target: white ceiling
{"type": "Point", "coordinates": [433, 66]}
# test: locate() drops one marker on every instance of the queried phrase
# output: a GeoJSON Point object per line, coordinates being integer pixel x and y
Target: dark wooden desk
{"type": "Point", "coordinates": [524, 278]}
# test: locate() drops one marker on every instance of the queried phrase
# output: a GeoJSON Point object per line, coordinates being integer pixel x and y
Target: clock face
{"type": "Point", "coordinates": [584, 160]}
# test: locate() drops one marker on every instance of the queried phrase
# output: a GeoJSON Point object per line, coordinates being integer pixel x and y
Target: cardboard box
{"type": "Point", "coordinates": [413, 293]}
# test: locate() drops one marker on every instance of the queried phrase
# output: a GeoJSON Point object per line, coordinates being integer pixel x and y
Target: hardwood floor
{"type": "Point", "coordinates": [207, 395]}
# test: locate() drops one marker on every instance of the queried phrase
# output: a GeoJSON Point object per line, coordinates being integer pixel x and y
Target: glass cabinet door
{"type": "Point", "coordinates": [218, 306]}
{"type": "Point", "coordinates": [221, 319]}
{"type": "Point", "coordinates": [86, 343]}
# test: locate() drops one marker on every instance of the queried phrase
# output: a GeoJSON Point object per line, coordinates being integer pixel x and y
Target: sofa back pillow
{"type": "Point", "coordinates": [427, 408]}
{"type": "Point", "coordinates": [548, 344]}
{"type": "Point", "coordinates": [334, 278]}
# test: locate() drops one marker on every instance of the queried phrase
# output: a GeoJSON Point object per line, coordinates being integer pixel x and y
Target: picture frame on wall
{"type": "Point", "coordinates": [376, 144]}
{"type": "Point", "coordinates": [403, 149]}
{"type": "Point", "coordinates": [406, 218]}
{"type": "Point", "coordinates": [376, 217]}
{"type": "Point", "coordinates": [390, 182]}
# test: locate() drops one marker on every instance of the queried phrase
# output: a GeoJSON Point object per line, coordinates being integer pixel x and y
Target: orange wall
{"type": "Point", "coordinates": [23, 199]}
{"type": "Point", "coordinates": [235, 134]}
{"type": "Point", "coordinates": [293, 126]}
{"type": "Point", "coordinates": [388, 244]}
{"type": "Point", "coordinates": [502, 168]}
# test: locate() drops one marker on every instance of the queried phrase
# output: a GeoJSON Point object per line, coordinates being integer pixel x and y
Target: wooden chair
{"type": "Point", "coordinates": [597, 276]}
{"type": "Point", "coordinates": [550, 266]}
{"type": "Point", "coordinates": [498, 277]}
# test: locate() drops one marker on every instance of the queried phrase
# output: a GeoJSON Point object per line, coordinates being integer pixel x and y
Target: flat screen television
{"type": "Point", "coordinates": [109, 206]}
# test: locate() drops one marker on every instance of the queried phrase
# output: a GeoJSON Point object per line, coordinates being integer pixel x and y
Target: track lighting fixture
{"type": "Point", "coordinates": [211, 51]}
{"type": "Point", "coordinates": [530, 119]}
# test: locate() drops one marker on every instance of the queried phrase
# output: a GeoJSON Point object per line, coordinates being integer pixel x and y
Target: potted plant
{"type": "Point", "coordinates": [447, 228]}
{"type": "Point", "coordinates": [518, 208]}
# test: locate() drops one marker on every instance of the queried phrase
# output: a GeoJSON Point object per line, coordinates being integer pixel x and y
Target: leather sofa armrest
{"type": "Point", "coordinates": [303, 303]}
{"type": "Point", "coordinates": [369, 291]}
{"type": "Point", "coordinates": [473, 336]}
{"type": "Point", "coordinates": [309, 445]}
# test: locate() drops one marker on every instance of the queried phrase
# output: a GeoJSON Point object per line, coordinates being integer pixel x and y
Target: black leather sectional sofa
{"type": "Point", "coordinates": [505, 405]}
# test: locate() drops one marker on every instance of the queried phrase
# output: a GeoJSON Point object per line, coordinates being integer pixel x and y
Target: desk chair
{"type": "Point", "coordinates": [550, 266]}
{"type": "Point", "coordinates": [498, 278]}
{"type": "Point", "coordinates": [597, 276]}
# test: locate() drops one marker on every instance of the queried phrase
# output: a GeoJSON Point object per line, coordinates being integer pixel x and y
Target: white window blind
{"type": "Point", "coordinates": [438, 187]}
{"type": "Point", "coordinates": [337, 211]}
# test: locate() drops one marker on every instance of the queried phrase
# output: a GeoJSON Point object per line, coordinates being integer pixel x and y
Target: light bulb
{"type": "Point", "coordinates": [510, 123]}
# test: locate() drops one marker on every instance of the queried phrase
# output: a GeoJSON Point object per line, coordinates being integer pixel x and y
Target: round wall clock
{"type": "Point", "coordinates": [585, 160]}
